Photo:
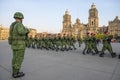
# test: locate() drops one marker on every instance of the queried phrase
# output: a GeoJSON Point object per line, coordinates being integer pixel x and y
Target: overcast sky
{"type": "Point", "coordinates": [47, 15]}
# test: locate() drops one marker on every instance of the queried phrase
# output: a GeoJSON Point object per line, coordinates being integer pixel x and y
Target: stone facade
{"type": "Point", "coordinates": [79, 29]}
{"type": "Point", "coordinates": [93, 21]}
{"type": "Point", "coordinates": [67, 27]}
{"type": "Point", "coordinates": [4, 33]}
{"type": "Point", "coordinates": [102, 29]}
{"type": "Point", "coordinates": [114, 27]}
{"type": "Point", "coordinates": [32, 32]}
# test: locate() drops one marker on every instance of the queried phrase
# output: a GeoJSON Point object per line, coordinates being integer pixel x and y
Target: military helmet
{"type": "Point", "coordinates": [18, 15]}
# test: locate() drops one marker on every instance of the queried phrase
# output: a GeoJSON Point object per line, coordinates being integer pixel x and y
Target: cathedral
{"type": "Point", "coordinates": [114, 27]}
{"type": "Point", "coordinates": [79, 29]}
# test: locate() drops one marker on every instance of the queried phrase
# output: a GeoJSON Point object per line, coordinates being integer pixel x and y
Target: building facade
{"type": "Point", "coordinates": [79, 29]}
{"type": "Point", "coordinates": [93, 21]}
{"type": "Point", "coordinates": [114, 27]}
{"type": "Point", "coordinates": [67, 27]}
{"type": "Point", "coordinates": [102, 29]}
{"type": "Point", "coordinates": [32, 32]}
{"type": "Point", "coordinates": [4, 33]}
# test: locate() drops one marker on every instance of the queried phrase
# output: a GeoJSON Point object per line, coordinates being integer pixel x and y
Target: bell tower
{"type": "Point", "coordinates": [67, 23]}
{"type": "Point", "coordinates": [93, 20]}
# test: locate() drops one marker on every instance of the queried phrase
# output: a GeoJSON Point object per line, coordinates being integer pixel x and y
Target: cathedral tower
{"type": "Point", "coordinates": [93, 21]}
{"type": "Point", "coordinates": [67, 23]}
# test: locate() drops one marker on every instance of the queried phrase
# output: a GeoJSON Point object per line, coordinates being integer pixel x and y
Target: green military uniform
{"type": "Point", "coordinates": [64, 45]}
{"type": "Point", "coordinates": [107, 46]}
{"type": "Point", "coordinates": [94, 44]}
{"type": "Point", "coordinates": [17, 41]}
{"type": "Point", "coordinates": [86, 41]}
{"type": "Point", "coordinates": [87, 44]}
{"type": "Point", "coordinates": [71, 42]}
{"type": "Point", "coordinates": [79, 41]}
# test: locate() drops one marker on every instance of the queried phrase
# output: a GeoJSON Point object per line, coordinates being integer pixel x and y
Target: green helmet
{"type": "Point", "coordinates": [18, 15]}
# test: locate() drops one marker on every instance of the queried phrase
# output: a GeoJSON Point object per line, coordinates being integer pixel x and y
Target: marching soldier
{"type": "Point", "coordinates": [79, 41]}
{"type": "Point", "coordinates": [86, 41]}
{"type": "Point", "coordinates": [94, 43]}
{"type": "Point", "coordinates": [107, 46]}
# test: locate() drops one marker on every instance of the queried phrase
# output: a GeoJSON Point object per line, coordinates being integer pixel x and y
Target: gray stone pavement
{"type": "Point", "coordinates": [68, 65]}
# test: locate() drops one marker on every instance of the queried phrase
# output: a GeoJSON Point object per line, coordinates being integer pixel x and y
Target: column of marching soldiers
{"type": "Point", "coordinates": [67, 42]}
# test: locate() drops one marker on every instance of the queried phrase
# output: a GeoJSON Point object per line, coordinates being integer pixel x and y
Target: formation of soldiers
{"type": "Point", "coordinates": [67, 42]}
{"type": "Point", "coordinates": [90, 44]}
{"type": "Point", "coordinates": [52, 42]}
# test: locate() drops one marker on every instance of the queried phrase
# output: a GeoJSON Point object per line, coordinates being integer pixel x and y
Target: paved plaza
{"type": "Point", "coordinates": [68, 65]}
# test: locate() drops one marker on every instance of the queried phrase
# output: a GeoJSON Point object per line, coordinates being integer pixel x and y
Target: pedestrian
{"type": "Point", "coordinates": [17, 41]}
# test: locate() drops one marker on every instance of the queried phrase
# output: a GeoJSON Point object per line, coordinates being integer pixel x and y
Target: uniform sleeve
{"type": "Point", "coordinates": [21, 29]}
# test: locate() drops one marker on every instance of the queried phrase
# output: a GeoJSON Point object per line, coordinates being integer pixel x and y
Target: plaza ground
{"type": "Point", "coordinates": [67, 65]}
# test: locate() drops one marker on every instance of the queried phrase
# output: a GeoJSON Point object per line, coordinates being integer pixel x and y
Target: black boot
{"type": "Point", "coordinates": [113, 55]}
{"type": "Point", "coordinates": [19, 74]}
{"type": "Point", "coordinates": [97, 52]}
{"type": "Point", "coordinates": [101, 55]}
{"type": "Point", "coordinates": [119, 57]}
{"type": "Point", "coordinates": [74, 48]}
{"type": "Point", "coordinates": [83, 53]}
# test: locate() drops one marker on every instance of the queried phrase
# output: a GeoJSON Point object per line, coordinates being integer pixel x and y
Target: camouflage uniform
{"type": "Point", "coordinates": [94, 44]}
{"type": "Point", "coordinates": [87, 44]}
{"type": "Point", "coordinates": [79, 41]}
{"type": "Point", "coordinates": [107, 46]}
{"type": "Point", "coordinates": [17, 41]}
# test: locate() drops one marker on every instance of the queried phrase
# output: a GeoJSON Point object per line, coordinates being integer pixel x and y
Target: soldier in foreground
{"type": "Point", "coordinates": [17, 38]}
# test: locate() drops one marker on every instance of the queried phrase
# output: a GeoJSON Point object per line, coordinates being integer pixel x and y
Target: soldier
{"type": "Point", "coordinates": [17, 38]}
{"type": "Point", "coordinates": [79, 41]}
{"type": "Point", "coordinates": [94, 43]}
{"type": "Point", "coordinates": [64, 45]}
{"type": "Point", "coordinates": [107, 46]}
{"type": "Point", "coordinates": [87, 45]}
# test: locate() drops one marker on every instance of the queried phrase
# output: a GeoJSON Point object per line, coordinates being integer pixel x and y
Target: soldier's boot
{"type": "Point", "coordinates": [88, 52]}
{"type": "Point", "coordinates": [113, 55]}
{"type": "Point", "coordinates": [101, 55]}
{"type": "Point", "coordinates": [75, 48]}
{"type": "Point", "coordinates": [47, 48]}
{"type": "Point", "coordinates": [119, 56]}
{"type": "Point", "coordinates": [83, 53]}
{"type": "Point", "coordinates": [97, 52]}
{"type": "Point", "coordinates": [19, 74]}
{"type": "Point", "coordinates": [53, 48]}
{"type": "Point", "coordinates": [70, 48]}
{"type": "Point", "coordinates": [62, 49]}
{"type": "Point", "coordinates": [79, 45]}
